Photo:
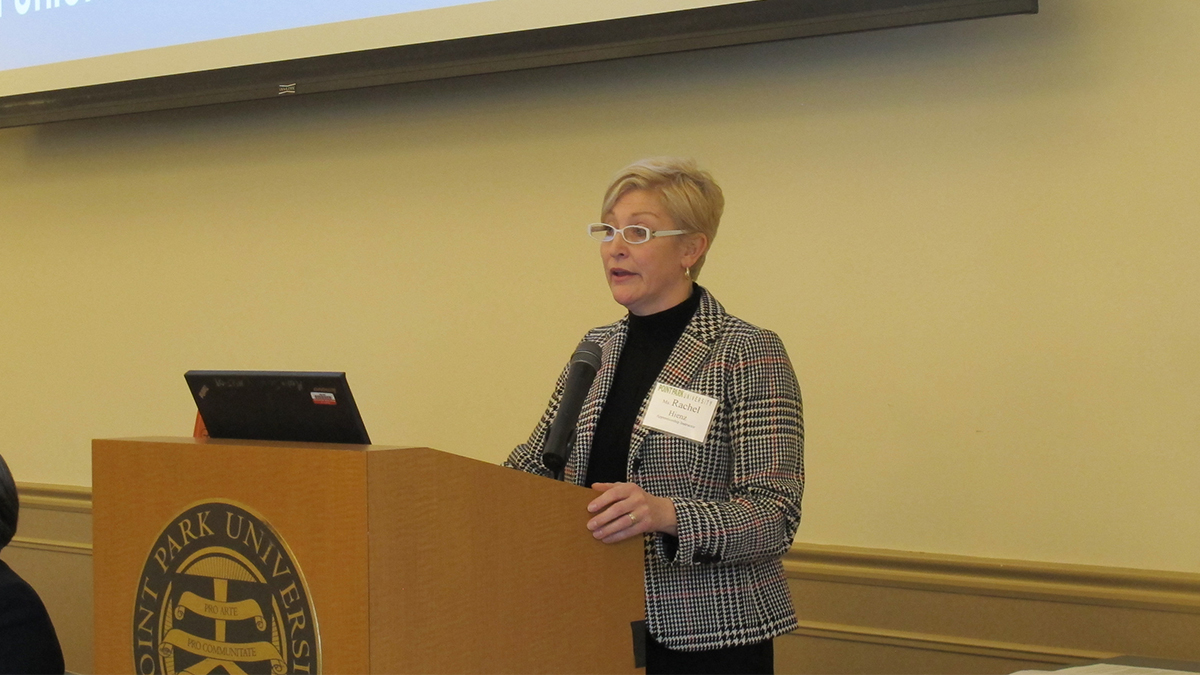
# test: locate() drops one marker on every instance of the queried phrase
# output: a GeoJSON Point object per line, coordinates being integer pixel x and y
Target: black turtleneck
{"type": "Point", "coordinates": [647, 348]}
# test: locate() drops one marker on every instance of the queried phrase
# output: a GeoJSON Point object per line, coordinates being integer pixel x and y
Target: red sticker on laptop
{"type": "Point", "coordinates": [323, 398]}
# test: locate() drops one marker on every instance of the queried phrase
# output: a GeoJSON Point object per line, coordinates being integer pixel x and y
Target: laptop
{"type": "Point", "coordinates": [277, 406]}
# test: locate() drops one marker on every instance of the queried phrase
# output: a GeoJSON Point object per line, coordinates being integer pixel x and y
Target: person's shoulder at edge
{"type": "Point", "coordinates": [28, 643]}
{"type": "Point", "coordinates": [15, 591]}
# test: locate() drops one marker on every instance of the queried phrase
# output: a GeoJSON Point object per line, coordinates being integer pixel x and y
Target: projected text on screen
{"type": "Point", "coordinates": [39, 32]}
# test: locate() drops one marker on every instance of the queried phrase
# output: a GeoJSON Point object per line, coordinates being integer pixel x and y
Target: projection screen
{"type": "Point", "coordinates": [67, 59]}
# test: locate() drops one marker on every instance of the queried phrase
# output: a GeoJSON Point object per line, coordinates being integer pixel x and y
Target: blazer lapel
{"type": "Point", "coordinates": [589, 416]}
{"type": "Point", "coordinates": [689, 354]}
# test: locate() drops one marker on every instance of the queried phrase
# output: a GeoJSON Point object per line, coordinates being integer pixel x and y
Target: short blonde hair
{"type": "Point", "coordinates": [689, 193]}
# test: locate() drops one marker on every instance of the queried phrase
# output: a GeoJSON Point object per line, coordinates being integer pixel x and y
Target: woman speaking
{"type": "Point", "coordinates": [718, 498]}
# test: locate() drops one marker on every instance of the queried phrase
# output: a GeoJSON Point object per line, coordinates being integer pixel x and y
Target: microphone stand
{"type": "Point", "coordinates": [560, 474]}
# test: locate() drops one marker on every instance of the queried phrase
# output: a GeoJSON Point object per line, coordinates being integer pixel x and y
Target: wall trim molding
{"type": "Point", "coordinates": [51, 497]}
{"type": "Point", "coordinates": [1055, 582]}
{"type": "Point", "coordinates": [51, 545]}
{"type": "Point", "coordinates": [945, 643]}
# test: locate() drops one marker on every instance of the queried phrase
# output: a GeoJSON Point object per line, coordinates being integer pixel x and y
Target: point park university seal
{"type": "Point", "coordinates": [221, 593]}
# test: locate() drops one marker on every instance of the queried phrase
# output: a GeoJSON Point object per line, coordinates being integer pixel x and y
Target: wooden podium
{"type": "Point", "coordinates": [410, 560]}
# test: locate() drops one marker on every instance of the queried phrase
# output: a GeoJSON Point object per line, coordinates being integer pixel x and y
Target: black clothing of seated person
{"type": "Point", "coordinates": [28, 643]}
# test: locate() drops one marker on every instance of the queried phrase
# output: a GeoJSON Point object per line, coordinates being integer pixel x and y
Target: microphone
{"type": "Point", "coordinates": [561, 437]}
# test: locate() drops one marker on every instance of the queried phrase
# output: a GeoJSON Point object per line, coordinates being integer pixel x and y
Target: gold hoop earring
{"type": "Point", "coordinates": [687, 273]}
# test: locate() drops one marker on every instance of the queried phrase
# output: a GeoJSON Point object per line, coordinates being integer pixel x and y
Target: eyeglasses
{"type": "Point", "coordinates": [634, 234]}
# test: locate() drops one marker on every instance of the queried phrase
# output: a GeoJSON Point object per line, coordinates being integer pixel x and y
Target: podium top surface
{"type": "Point", "coordinates": [236, 442]}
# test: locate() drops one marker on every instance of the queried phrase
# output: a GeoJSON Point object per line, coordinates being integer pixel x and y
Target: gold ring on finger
{"type": "Point", "coordinates": [633, 518]}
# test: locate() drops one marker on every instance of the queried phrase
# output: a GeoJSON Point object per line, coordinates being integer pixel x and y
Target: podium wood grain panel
{"type": "Point", "coordinates": [313, 495]}
{"type": "Point", "coordinates": [510, 580]}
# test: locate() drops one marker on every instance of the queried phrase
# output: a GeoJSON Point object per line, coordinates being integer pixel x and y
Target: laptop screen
{"type": "Point", "coordinates": [277, 406]}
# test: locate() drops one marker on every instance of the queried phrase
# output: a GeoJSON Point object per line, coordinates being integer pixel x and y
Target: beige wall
{"type": "Point", "coordinates": [978, 241]}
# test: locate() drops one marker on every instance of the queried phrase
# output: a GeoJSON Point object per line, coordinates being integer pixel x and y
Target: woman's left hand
{"type": "Point", "coordinates": [625, 510]}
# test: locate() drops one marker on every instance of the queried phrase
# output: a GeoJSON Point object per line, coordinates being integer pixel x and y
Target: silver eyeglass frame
{"type": "Point", "coordinates": [612, 233]}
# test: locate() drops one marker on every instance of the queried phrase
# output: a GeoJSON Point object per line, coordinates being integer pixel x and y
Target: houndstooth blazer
{"type": "Point", "coordinates": [720, 583]}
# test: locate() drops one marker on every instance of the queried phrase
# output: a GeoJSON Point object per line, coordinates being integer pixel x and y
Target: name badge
{"type": "Point", "coordinates": [679, 412]}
